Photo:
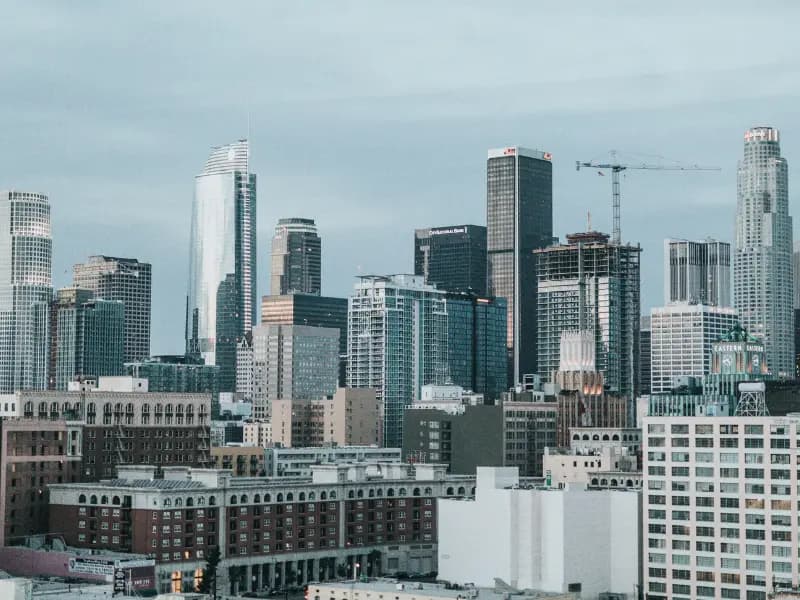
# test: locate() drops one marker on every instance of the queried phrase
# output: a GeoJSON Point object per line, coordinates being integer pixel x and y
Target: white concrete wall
{"type": "Point", "coordinates": [542, 539]}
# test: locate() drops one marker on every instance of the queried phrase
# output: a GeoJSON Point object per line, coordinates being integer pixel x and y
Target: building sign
{"type": "Point", "coordinates": [91, 566]}
{"type": "Point", "coordinates": [135, 563]}
{"type": "Point", "coordinates": [119, 581]}
{"type": "Point", "coordinates": [447, 230]}
{"type": "Point", "coordinates": [510, 151]}
{"type": "Point", "coordinates": [723, 347]}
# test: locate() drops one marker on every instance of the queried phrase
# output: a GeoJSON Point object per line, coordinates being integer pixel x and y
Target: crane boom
{"type": "Point", "coordinates": [615, 169]}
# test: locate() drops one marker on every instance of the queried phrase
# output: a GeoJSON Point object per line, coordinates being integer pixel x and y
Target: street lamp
{"type": "Point", "coordinates": [355, 571]}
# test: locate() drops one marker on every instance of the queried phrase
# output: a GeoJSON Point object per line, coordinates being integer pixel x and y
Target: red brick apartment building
{"type": "Point", "coordinates": [271, 532]}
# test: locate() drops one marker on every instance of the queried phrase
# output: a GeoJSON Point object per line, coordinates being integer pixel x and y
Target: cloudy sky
{"type": "Point", "coordinates": [374, 118]}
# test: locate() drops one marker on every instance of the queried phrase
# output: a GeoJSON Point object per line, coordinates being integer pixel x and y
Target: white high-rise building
{"type": "Point", "coordinates": [397, 342]}
{"type": "Point", "coordinates": [26, 289]}
{"type": "Point", "coordinates": [697, 272]}
{"type": "Point", "coordinates": [221, 303]}
{"type": "Point", "coordinates": [762, 275]}
{"type": "Point", "coordinates": [681, 336]}
{"type": "Point", "coordinates": [720, 515]}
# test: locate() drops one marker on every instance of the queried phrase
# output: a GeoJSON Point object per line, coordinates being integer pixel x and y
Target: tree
{"type": "Point", "coordinates": [208, 583]}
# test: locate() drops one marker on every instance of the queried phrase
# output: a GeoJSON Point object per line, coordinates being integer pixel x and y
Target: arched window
{"type": "Point", "coordinates": [115, 501]}
{"type": "Point", "coordinates": [167, 502]}
{"type": "Point", "coordinates": [605, 437]}
{"type": "Point", "coordinates": [360, 494]}
{"type": "Point", "coordinates": [267, 498]}
{"type": "Point", "coordinates": [472, 490]}
{"type": "Point", "coordinates": [190, 501]}
{"type": "Point", "coordinates": [428, 491]}
{"type": "Point", "coordinates": [301, 496]}
{"type": "Point", "coordinates": [233, 500]}
{"type": "Point", "coordinates": [243, 499]}
{"type": "Point", "coordinates": [211, 501]}
{"type": "Point", "coordinates": [104, 500]}
{"type": "Point", "coordinates": [613, 483]}
{"type": "Point", "coordinates": [575, 436]}
{"type": "Point", "coordinates": [595, 438]}
{"type": "Point", "coordinates": [289, 496]}
{"type": "Point", "coordinates": [312, 496]}
{"type": "Point", "coordinates": [332, 495]}
{"type": "Point", "coordinates": [594, 481]}
{"type": "Point", "coordinates": [615, 437]}
{"type": "Point", "coordinates": [604, 482]}
{"type": "Point", "coordinates": [379, 492]}
{"type": "Point", "coordinates": [93, 499]}
{"type": "Point", "coordinates": [450, 491]}
{"type": "Point", "coordinates": [629, 483]}
{"type": "Point", "coordinates": [279, 497]}
{"type": "Point", "coordinates": [390, 492]}
{"type": "Point", "coordinates": [401, 492]}
{"type": "Point", "coordinates": [416, 491]}
{"type": "Point", "coordinates": [82, 499]}
{"type": "Point", "coordinates": [257, 499]}
{"type": "Point", "coordinates": [350, 494]}
{"type": "Point", "coordinates": [586, 437]}
{"type": "Point", "coordinates": [42, 409]}
{"type": "Point", "coordinates": [371, 493]}
{"type": "Point", "coordinates": [625, 437]}
{"type": "Point", "coordinates": [178, 502]}
{"type": "Point", "coordinates": [461, 491]}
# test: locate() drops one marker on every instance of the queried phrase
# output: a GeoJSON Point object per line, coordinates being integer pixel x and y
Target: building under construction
{"type": "Point", "coordinates": [591, 284]}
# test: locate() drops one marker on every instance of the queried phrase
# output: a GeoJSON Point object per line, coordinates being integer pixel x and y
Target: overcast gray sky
{"type": "Point", "coordinates": [375, 117]}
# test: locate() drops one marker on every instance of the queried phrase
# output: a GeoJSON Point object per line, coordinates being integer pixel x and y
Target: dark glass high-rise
{"type": "Point", "coordinates": [519, 219]}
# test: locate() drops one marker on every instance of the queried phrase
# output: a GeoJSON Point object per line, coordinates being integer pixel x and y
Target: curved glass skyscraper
{"type": "Point", "coordinates": [762, 274]}
{"type": "Point", "coordinates": [221, 304]}
{"type": "Point", "coordinates": [26, 289]}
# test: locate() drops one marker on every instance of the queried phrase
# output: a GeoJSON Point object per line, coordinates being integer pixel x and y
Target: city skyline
{"type": "Point", "coordinates": [327, 147]}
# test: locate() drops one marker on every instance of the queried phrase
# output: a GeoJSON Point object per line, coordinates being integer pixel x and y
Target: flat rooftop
{"type": "Point", "coordinates": [437, 590]}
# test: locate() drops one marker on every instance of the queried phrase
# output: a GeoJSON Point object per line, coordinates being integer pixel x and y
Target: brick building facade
{"type": "Point", "coordinates": [270, 533]}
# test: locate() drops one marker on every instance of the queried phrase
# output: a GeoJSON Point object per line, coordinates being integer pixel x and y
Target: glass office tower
{"type": "Point", "coordinates": [296, 258]}
{"type": "Point", "coordinates": [129, 281]}
{"type": "Point", "coordinates": [452, 258]}
{"type": "Point", "coordinates": [476, 341]}
{"type": "Point", "coordinates": [26, 289]}
{"type": "Point", "coordinates": [762, 274]}
{"type": "Point", "coordinates": [222, 271]}
{"type": "Point", "coordinates": [519, 219]}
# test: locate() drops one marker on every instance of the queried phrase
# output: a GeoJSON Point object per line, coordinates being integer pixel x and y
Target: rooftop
{"type": "Point", "coordinates": [466, 591]}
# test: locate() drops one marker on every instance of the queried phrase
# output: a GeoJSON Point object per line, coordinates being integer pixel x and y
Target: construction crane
{"type": "Point", "coordinates": [616, 168]}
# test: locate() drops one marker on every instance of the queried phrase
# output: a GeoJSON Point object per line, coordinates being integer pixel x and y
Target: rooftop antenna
{"type": "Point", "coordinates": [588, 220]}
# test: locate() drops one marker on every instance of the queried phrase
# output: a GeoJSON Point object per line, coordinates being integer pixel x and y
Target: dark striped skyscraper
{"type": "Point", "coordinates": [221, 303]}
{"type": "Point", "coordinates": [519, 219]}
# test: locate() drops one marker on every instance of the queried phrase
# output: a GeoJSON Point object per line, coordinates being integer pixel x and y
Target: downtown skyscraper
{"type": "Point", "coordinates": [221, 302]}
{"type": "Point", "coordinates": [519, 219]}
{"type": "Point", "coordinates": [26, 289]}
{"type": "Point", "coordinates": [762, 274]}
{"type": "Point", "coordinates": [452, 258]}
{"type": "Point", "coordinates": [697, 272]}
{"type": "Point", "coordinates": [128, 281]}
{"type": "Point", "coordinates": [296, 258]}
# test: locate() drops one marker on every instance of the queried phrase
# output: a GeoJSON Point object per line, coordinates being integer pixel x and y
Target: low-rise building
{"type": "Point", "coordinates": [299, 462]}
{"type": "Point", "coordinates": [257, 432]}
{"type": "Point", "coordinates": [564, 465]}
{"type": "Point", "coordinates": [243, 461]}
{"type": "Point", "coordinates": [271, 533]}
{"type": "Point", "coordinates": [351, 417]}
{"type": "Point", "coordinates": [570, 539]}
{"type": "Point", "coordinates": [379, 589]}
{"type": "Point", "coordinates": [83, 434]}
